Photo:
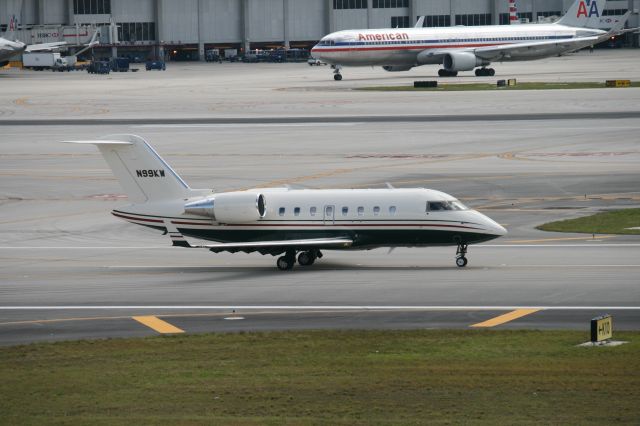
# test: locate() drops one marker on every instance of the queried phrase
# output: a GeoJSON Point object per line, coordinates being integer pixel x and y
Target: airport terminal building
{"type": "Point", "coordinates": [186, 29]}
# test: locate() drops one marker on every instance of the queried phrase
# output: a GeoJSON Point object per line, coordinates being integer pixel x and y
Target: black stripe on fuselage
{"type": "Point", "coordinates": [364, 235]}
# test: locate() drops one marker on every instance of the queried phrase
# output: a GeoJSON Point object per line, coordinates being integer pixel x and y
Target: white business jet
{"type": "Point", "coordinates": [463, 48]}
{"type": "Point", "coordinates": [287, 222]}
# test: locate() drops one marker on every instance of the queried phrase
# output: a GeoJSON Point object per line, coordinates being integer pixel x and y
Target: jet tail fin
{"type": "Point", "coordinates": [583, 13]}
{"type": "Point", "coordinates": [143, 174]}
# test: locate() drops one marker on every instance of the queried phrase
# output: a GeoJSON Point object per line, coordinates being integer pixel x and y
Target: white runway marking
{"type": "Point", "coordinates": [599, 245]}
{"type": "Point", "coordinates": [86, 248]}
{"type": "Point", "coordinates": [322, 308]}
{"type": "Point", "coordinates": [244, 125]}
{"type": "Point", "coordinates": [373, 266]}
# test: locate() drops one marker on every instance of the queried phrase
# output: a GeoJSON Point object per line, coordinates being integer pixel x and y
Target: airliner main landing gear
{"type": "Point", "coordinates": [447, 73]}
{"type": "Point", "coordinates": [305, 258]}
{"type": "Point", "coordinates": [461, 260]}
{"type": "Point", "coordinates": [336, 72]}
{"type": "Point", "coordinates": [485, 72]}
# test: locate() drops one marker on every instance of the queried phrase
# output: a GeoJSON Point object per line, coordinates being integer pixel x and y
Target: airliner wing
{"type": "Point", "coordinates": [541, 48]}
{"type": "Point", "coordinates": [45, 46]}
{"type": "Point", "coordinates": [544, 48]}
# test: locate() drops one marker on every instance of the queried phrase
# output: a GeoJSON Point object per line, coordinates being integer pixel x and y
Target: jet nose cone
{"type": "Point", "coordinates": [493, 227]}
{"type": "Point", "coordinates": [500, 230]}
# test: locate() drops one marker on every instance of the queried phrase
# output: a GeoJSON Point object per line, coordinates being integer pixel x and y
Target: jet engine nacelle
{"type": "Point", "coordinates": [230, 207]}
{"type": "Point", "coordinates": [395, 68]}
{"type": "Point", "coordinates": [462, 61]}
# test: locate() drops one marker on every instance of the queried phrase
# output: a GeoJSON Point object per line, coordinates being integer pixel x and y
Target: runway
{"type": "Point", "coordinates": [69, 270]}
{"type": "Point", "coordinates": [354, 119]}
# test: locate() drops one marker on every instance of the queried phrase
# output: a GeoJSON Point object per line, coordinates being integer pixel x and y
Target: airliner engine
{"type": "Point", "coordinates": [462, 61]}
{"type": "Point", "coordinates": [230, 207]}
{"type": "Point", "coordinates": [394, 68]}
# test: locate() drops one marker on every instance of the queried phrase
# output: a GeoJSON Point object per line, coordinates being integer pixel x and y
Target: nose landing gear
{"type": "Point", "coordinates": [336, 72]}
{"type": "Point", "coordinates": [461, 259]}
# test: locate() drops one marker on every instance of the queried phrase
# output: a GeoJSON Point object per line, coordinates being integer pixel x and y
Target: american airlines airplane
{"type": "Point", "coordinates": [463, 48]}
{"type": "Point", "coordinates": [287, 222]}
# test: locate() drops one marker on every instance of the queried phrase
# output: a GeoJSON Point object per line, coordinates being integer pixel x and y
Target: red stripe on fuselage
{"type": "Point", "coordinates": [137, 218]}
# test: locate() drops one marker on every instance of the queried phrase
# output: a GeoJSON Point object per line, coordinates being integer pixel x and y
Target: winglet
{"type": "Point", "coordinates": [419, 22]}
{"type": "Point", "coordinates": [619, 25]}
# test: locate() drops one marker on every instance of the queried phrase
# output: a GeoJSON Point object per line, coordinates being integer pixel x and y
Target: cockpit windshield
{"type": "Point", "coordinates": [435, 206]}
{"type": "Point", "coordinates": [327, 42]}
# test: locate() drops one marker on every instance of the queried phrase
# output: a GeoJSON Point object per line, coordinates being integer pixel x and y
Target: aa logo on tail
{"type": "Point", "coordinates": [588, 8]}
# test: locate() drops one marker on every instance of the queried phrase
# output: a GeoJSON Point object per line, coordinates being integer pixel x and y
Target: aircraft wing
{"type": "Point", "coordinates": [548, 47]}
{"type": "Point", "coordinates": [541, 48]}
{"type": "Point", "coordinates": [278, 246]}
{"type": "Point", "coordinates": [45, 46]}
{"type": "Point", "coordinates": [264, 247]}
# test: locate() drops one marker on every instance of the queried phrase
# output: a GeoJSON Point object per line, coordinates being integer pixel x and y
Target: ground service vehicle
{"type": "Point", "coordinates": [42, 60]}
{"type": "Point", "coordinates": [99, 67]}
{"type": "Point", "coordinates": [155, 65]}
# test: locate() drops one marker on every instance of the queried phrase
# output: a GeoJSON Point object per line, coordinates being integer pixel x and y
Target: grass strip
{"type": "Point", "coordinates": [613, 222]}
{"type": "Point", "coordinates": [453, 87]}
{"type": "Point", "coordinates": [327, 377]}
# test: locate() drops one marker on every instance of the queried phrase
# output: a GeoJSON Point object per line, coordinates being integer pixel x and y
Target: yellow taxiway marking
{"type": "Point", "coordinates": [510, 316]}
{"type": "Point", "coordinates": [158, 325]}
{"type": "Point", "coordinates": [544, 240]}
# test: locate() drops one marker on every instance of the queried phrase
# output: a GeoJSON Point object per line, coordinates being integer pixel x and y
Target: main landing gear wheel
{"type": "Point", "coordinates": [306, 258]}
{"type": "Point", "coordinates": [461, 260]}
{"type": "Point", "coordinates": [285, 263]}
{"type": "Point", "coordinates": [337, 77]}
{"type": "Point", "coordinates": [485, 72]}
{"type": "Point", "coordinates": [446, 73]}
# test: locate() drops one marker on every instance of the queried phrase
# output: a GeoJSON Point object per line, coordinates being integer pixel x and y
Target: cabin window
{"type": "Point", "coordinates": [312, 211]}
{"type": "Point", "coordinates": [345, 211]}
{"type": "Point", "coordinates": [281, 211]}
{"type": "Point", "coordinates": [392, 210]}
{"type": "Point", "coordinates": [360, 211]}
{"type": "Point", "coordinates": [296, 211]}
{"type": "Point", "coordinates": [376, 211]}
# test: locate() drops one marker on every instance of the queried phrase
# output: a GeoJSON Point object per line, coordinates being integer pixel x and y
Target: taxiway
{"type": "Point", "coordinates": [70, 270]}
